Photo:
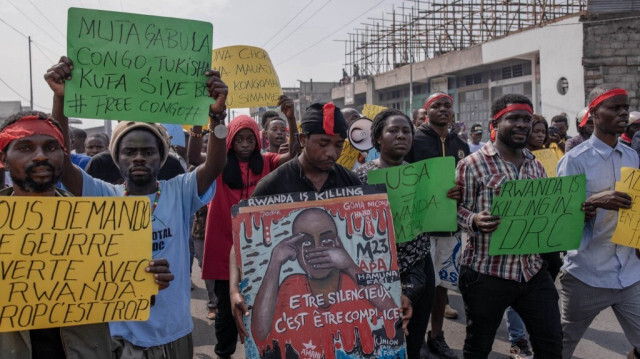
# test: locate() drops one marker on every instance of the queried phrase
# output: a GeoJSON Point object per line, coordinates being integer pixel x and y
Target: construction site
{"type": "Point", "coordinates": [476, 50]}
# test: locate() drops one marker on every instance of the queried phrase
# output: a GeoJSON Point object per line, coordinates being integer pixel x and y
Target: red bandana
{"type": "Point", "coordinates": [436, 98]}
{"type": "Point", "coordinates": [328, 111]}
{"type": "Point", "coordinates": [513, 107]}
{"type": "Point", "coordinates": [30, 126]}
{"type": "Point", "coordinates": [598, 100]}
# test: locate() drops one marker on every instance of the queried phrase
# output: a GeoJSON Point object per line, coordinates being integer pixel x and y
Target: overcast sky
{"type": "Point", "coordinates": [235, 22]}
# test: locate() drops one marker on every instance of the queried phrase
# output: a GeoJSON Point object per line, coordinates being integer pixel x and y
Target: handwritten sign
{"type": "Point", "coordinates": [320, 262]}
{"type": "Point", "coordinates": [627, 231]}
{"type": "Point", "coordinates": [71, 261]}
{"type": "Point", "coordinates": [539, 215]}
{"type": "Point", "coordinates": [418, 196]}
{"type": "Point", "coordinates": [248, 72]}
{"type": "Point", "coordinates": [370, 111]}
{"type": "Point", "coordinates": [137, 67]}
{"type": "Point", "coordinates": [549, 161]}
{"type": "Point", "coordinates": [348, 156]}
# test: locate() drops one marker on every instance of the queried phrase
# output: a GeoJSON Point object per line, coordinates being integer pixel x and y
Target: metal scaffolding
{"type": "Point", "coordinates": [423, 29]}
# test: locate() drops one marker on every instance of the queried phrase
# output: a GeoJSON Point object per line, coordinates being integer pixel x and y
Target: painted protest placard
{"type": "Point", "coordinates": [627, 231]}
{"type": "Point", "coordinates": [370, 111]}
{"type": "Point", "coordinates": [539, 215]}
{"type": "Point", "coordinates": [137, 67]}
{"type": "Point", "coordinates": [320, 263]}
{"type": "Point", "coordinates": [71, 261]}
{"type": "Point", "coordinates": [250, 75]}
{"type": "Point", "coordinates": [418, 196]}
{"type": "Point", "coordinates": [549, 161]}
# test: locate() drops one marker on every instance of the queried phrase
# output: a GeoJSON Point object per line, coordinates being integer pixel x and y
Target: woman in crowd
{"type": "Point", "coordinates": [392, 132]}
{"type": "Point", "coordinates": [245, 167]}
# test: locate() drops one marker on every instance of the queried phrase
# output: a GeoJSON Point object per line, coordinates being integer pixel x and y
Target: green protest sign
{"type": "Point", "coordinates": [418, 196]}
{"type": "Point", "coordinates": [539, 216]}
{"type": "Point", "coordinates": [137, 67]}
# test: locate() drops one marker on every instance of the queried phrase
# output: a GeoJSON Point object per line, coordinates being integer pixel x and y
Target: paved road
{"type": "Point", "coordinates": [603, 340]}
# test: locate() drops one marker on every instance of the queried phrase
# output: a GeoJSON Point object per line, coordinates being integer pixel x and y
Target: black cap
{"type": "Point", "coordinates": [317, 119]}
{"type": "Point", "coordinates": [476, 128]}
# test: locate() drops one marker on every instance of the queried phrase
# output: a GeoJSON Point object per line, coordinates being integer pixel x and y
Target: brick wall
{"type": "Point", "coordinates": [611, 52]}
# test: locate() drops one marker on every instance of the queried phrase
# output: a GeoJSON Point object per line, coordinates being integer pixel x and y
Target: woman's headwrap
{"type": "Point", "coordinates": [324, 119]}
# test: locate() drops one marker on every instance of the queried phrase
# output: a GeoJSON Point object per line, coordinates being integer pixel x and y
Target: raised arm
{"type": "Point", "coordinates": [194, 147]}
{"type": "Point", "coordinates": [56, 76]}
{"type": "Point", "coordinates": [216, 148]}
{"type": "Point", "coordinates": [287, 107]}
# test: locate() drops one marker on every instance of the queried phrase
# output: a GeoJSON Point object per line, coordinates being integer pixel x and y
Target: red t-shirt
{"type": "Point", "coordinates": [218, 237]}
{"type": "Point", "coordinates": [311, 329]}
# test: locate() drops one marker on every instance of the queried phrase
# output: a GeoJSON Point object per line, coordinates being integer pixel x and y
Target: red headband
{"type": "Point", "coordinates": [30, 126]}
{"type": "Point", "coordinates": [436, 98]}
{"type": "Point", "coordinates": [328, 111]}
{"type": "Point", "coordinates": [513, 107]}
{"type": "Point", "coordinates": [493, 132]}
{"type": "Point", "coordinates": [598, 100]}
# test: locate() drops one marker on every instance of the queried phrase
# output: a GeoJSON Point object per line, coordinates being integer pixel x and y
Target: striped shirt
{"type": "Point", "coordinates": [481, 175]}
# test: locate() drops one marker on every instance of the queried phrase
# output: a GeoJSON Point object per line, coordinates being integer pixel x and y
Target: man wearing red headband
{"type": "Point", "coordinates": [32, 150]}
{"type": "Point", "coordinates": [490, 284]}
{"type": "Point", "coordinates": [601, 274]}
{"type": "Point", "coordinates": [433, 139]}
{"type": "Point", "coordinates": [139, 149]}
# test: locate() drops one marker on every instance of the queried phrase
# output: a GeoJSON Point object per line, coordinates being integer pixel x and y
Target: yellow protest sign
{"type": "Point", "coordinates": [248, 72]}
{"type": "Point", "coordinates": [549, 161]}
{"type": "Point", "coordinates": [69, 261]}
{"type": "Point", "coordinates": [370, 111]}
{"type": "Point", "coordinates": [348, 156]}
{"type": "Point", "coordinates": [627, 231]}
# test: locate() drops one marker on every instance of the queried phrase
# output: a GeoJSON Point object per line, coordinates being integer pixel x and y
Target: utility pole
{"type": "Point", "coordinates": [30, 78]}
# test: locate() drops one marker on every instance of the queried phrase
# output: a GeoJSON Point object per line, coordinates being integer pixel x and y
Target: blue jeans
{"type": "Point", "coordinates": [487, 297]}
{"type": "Point", "coordinates": [515, 326]}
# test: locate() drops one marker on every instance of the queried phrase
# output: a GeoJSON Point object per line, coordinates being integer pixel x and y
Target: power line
{"type": "Point", "coordinates": [38, 45]}
{"type": "Point", "coordinates": [299, 26]}
{"type": "Point", "coordinates": [42, 52]}
{"type": "Point", "coordinates": [14, 29]}
{"type": "Point", "coordinates": [46, 18]}
{"type": "Point", "coordinates": [19, 95]}
{"type": "Point", "coordinates": [36, 24]}
{"type": "Point", "coordinates": [285, 25]}
{"type": "Point", "coordinates": [331, 34]}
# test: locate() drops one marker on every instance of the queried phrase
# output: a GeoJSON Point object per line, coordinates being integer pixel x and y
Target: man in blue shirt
{"type": "Point", "coordinates": [139, 150]}
{"type": "Point", "coordinates": [601, 274]}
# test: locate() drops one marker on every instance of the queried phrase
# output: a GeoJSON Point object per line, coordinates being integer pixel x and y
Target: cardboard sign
{"type": "Point", "coordinates": [137, 68]}
{"type": "Point", "coordinates": [549, 161]}
{"type": "Point", "coordinates": [348, 156]}
{"type": "Point", "coordinates": [539, 215]}
{"type": "Point", "coordinates": [252, 79]}
{"type": "Point", "coordinates": [320, 263]}
{"type": "Point", "coordinates": [69, 261]}
{"type": "Point", "coordinates": [627, 231]}
{"type": "Point", "coordinates": [418, 196]}
{"type": "Point", "coordinates": [370, 111]}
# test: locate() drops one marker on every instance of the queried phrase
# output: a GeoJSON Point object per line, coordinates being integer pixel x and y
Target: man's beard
{"type": "Point", "coordinates": [29, 185]}
{"type": "Point", "coordinates": [507, 140]}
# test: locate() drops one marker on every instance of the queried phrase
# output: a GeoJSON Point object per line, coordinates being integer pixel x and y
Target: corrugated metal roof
{"type": "Point", "coordinates": [595, 6]}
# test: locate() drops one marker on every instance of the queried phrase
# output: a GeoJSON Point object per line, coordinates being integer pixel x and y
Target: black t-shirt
{"type": "Point", "coordinates": [102, 167]}
{"type": "Point", "coordinates": [289, 178]}
{"type": "Point", "coordinates": [46, 343]}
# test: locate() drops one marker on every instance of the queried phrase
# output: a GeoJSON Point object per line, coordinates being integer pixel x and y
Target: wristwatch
{"type": "Point", "coordinates": [220, 130]}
